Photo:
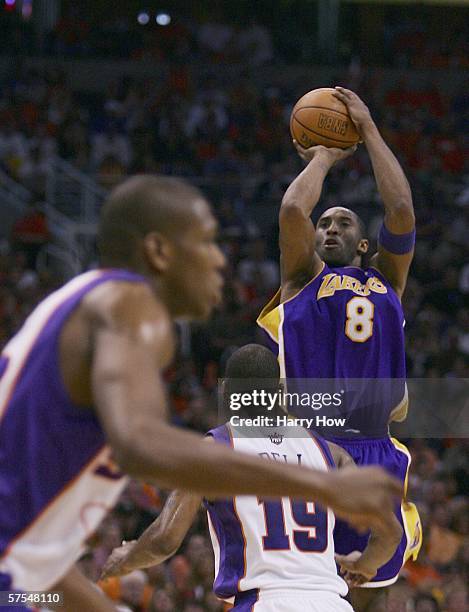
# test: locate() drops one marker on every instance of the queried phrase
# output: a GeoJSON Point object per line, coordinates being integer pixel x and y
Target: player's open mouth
{"type": "Point", "coordinates": [331, 244]}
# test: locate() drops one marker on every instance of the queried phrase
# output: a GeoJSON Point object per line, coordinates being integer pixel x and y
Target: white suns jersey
{"type": "Point", "coordinates": [274, 545]}
{"type": "Point", "coordinates": [57, 478]}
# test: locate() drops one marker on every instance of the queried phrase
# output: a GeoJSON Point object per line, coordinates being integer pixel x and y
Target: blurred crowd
{"type": "Point", "coordinates": [230, 136]}
{"type": "Point", "coordinates": [252, 34]}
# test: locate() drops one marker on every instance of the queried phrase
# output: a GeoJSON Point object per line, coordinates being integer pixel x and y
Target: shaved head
{"type": "Point", "coordinates": [163, 229]}
{"type": "Point", "coordinates": [252, 361]}
{"type": "Point", "coordinates": [144, 204]}
{"type": "Point", "coordinates": [251, 367]}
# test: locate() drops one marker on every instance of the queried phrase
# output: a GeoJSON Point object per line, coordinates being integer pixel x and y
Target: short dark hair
{"type": "Point", "coordinates": [361, 226]}
{"type": "Point", "coordinates": [358, 219]}
{"type": "Point", "coordinates": [251, 368]}
{"type": "Point", "coordinates": [140, 205]}
{"type": "Point", "coordinates": [252, 361]}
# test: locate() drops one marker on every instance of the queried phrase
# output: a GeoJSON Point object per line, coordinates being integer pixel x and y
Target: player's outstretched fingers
{"type": "Point", "coordinates": [340, 96]}
{"type": "Point", "coordinates": [347, 93]}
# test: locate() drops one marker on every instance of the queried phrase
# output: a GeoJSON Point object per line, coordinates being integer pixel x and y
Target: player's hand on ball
{"type": "Point", "coordinates": [116, 564]}
{"type": "Point", "coordinates": [365, 497]}
{"type": "Point", "coordinates": [354, 572]}
{"type": "Point", "coordinates": [358, 110]}
{"type": "Point", "coordinates": [330, 155]}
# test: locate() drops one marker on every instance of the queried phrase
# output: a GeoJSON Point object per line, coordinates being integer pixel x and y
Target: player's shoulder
{"type": "Point", "coordinates": [126, 305]}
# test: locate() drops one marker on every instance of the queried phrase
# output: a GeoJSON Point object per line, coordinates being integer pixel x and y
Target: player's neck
{"type": "Point", "coordinates": [355, 263]}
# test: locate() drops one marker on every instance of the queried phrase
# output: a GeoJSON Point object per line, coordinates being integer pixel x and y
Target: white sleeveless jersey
{"type": "Point", "coordinates": [57, 479]}
{"type": "Point", "coordinates": [283, 545]}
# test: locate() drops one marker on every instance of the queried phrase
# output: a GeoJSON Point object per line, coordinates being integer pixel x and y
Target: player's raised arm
{"type": "Point", "coordinates": [298, 260]}
{"type": "Point", "coordinates": [397, 236]}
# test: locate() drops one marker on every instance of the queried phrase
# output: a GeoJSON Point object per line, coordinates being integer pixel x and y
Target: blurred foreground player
{"type": "Point", "coordinates": [334, 319]}
{"type": "Point", "coordinates": [263, 548]}
{"type": "Point", "coordinates": [81, 396]}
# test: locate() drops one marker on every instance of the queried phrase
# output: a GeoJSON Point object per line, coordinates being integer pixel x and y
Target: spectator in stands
{"type": "Point", "coordinates": [31, 233]}
{"type": "Point", "coordinates": [426, 603]}
{"type": "Point", "coordinates": [111, 144]}
{"type": "Point", "coordinates": [257, 272]}
{"type": "Point", "coordinates": [211, 126]}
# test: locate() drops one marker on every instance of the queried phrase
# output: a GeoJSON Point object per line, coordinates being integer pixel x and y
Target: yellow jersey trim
{"type": "Point", "coordinates": [399, 412]}
{"type": "Point", "coordinates": [269, 317]}
{"type": "Point", "coordinates": [403, 448]}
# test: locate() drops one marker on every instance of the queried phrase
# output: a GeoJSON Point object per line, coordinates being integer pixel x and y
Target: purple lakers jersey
{"type": "Point", "coordinates": [57, 479]}
{"type": "Point", "coordinates": [346, 323]}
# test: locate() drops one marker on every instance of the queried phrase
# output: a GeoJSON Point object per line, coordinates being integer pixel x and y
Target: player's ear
{"type": "Point", "coordinates": [363, 246]}
{"type": "Point", "coordinates": [157, 251]}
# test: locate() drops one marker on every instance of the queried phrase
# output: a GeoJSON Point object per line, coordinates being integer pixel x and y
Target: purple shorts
{"type": "Point", "coordinates": [395, 458]}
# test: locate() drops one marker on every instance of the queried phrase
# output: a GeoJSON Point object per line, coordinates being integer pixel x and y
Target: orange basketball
{"type": "Point", "coordinates": [319, 118]}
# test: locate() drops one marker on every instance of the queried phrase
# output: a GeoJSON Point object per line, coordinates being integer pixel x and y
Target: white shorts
{"type": "Point", "coordinates": [292, 601]}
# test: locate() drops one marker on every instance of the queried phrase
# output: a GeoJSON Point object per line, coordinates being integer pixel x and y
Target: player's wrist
{"type": "Point", "coordinates": [324, 159]}
{"type": "Point", "coordinates": [368, 129]}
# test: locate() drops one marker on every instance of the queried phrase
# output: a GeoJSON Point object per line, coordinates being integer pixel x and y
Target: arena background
{"type": "Point", "coordinates": [94, 91]}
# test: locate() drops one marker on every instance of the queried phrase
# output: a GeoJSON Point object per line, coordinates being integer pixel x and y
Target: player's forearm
{"type": "Point", "coordinates": [382, 545]}
{"type": "Point", "coordinates": [150, 549]}
{"type": "Point", "coordinates": [304, 192]}
{"type": "Point", "coordinates": [177, 459]}
{"type": "Point", "coordinates": [392, 183]}
{"type": "Point", "coordinates": [164, 536]}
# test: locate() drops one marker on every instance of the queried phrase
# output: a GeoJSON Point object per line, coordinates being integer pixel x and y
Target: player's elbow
{"type": "Point", "coordinates": [126, 459]}
{"type": "Point", "coordinates": [393, 535]}
{"type": "Point", "coordinates": [291, 212]}
{"type": "Point", "coordinates": [150, 456]}
{"type": "Point", "coordinates": [397, 533]}
{"type": "Point", "coordinates": [129, 453]}
{"type": "Point", "coordinates": [402, 211]}
{"type": "Point", "coordinates": [290, 207]}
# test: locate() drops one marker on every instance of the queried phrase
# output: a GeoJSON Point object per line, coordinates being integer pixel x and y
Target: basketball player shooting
{"type": "Point", "coordinates": [334, 319]}
{"type": "Point", "coordinates": [263, 547]}
{"type": "Point", "coordinates": [82, 401]}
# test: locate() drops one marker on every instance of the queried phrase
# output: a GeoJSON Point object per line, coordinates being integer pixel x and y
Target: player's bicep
{"type": "Point", "coordinates": [128, 344]}
{"type": "Point", "coordinates": [124, 376]}
{"type": "Point", "coordinates": [297, 239]}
